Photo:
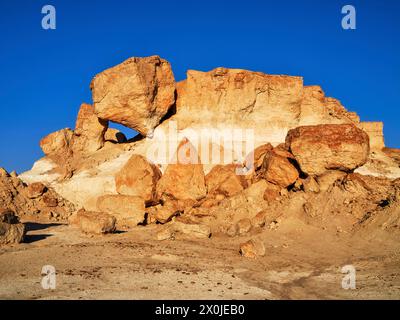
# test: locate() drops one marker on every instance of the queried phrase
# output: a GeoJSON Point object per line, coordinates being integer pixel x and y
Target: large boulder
{"type": "Point", "coordinates": [94, 222]}
{"type": "Point", "coordinates": [89, 130]}
{"type": "Point", "coordinates": [138, 177]}
{"type": "Point", "coordinates": [11, 230]}
{"type": "Point", "coordinates": [223, 179]}
{"type": "Point", "coordinates": [57, 142]}
{"type": "Point", "coordinates": [128, 210]}
{"type": "Point", "coordinates": [277, 169]}
{"type": "Point", "coordinates": [328, 147]}
{"type": "Point", "coordinates": [184, 179]}
{"type": "Point", "coordinates": [136, 93]}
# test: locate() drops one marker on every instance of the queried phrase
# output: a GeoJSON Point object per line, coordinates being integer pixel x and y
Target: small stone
{"type": "Point", "coordinates": [252, 248]}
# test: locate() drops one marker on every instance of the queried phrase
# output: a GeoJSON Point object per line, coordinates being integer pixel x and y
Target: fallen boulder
{"type": "Point", "coordinates": [138, 177]}
{"type": "Point", "coordinates": [11, 230]}
{"type": "Point", "coordinates": [128, 210]}
{"type": "Point", "coordinates": [328, 147]}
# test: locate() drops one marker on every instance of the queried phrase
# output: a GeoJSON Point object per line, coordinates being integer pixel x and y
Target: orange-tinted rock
{"type": "Point", "coordinates": [252, 248]}
{"type": "Point", "coordinates": [89, 130]}
{"type": "Point", "coordinates": [128, 210]}
{"type": "Point", "coordinates": [115, 136]}
{"type": "Point", "coordinates": [35, 190]}
{"type": "Point", "coordinates": [185, 179]}
{"type": "Point", "coordinates": [94, 222]}
{"type": "Point", "coordinates": [138, 177]}
{"type": "Point", "coordinates": [278, 170]}
{"type": "Point", "coordinates": [57, 142]}
{"type": "Point", "coordinates": [223, 179]}
{"type": "Point", "coordinates": [328, 147]}
{"type": "Point", "coordinates": [136, 93]}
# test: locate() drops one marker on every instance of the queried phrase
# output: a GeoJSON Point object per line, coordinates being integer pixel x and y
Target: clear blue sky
{"type": "Point", "coordinates": [45, 75]}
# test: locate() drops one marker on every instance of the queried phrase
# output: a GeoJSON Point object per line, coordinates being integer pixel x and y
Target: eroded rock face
{"type": "Point", "coordinates": [89, 131]}
{"type": "Point", "coordinates": [136, 93]}
{"type": "Point", "coordinates": [128, 210]}
{"type": "Point", "coordinates": [57, 142]}
{"type": "Point", "coordinates": [139, 178]}
{"type": "Point", "coordinates": [185, 179]}
{"type": "Point", "coordinates": [328, 147]}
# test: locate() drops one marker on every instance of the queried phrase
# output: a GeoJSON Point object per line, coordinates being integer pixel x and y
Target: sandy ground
{"type": "Point", "coordinates": [302, 263]}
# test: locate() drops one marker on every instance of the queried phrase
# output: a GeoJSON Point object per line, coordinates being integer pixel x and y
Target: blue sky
{"type": "Point", "coordinates": [45, 74]}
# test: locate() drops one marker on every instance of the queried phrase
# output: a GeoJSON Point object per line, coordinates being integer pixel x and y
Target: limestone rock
{"type": "Point", "coordinates": [128, 210]}
{"type": "Point", "coordinates": [185, 179]}
{"type": "Point", "coordinates": [136, 93]}
{"type": "Point", "coordinates": [252, 248]}
{"type": "Point", "coordinates": [326, 147]}
{"type": "Point", "coordinates": [89, 131]}
{"type": "Point", "coordinates": [138, 177]}
{"type": "Point", "coordinates": [57, 142]}
{"type": "Point", "coordinates": [223, 179]}
{"type": "Point", "coordinates": [94, 222]}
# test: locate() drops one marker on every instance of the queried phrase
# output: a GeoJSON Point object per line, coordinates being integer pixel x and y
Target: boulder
{"type": "Point", "coordinates": [277, 169]}
{"type": "Point", "coordinates": [11, 230]}
{"type": "Point", "coordinates": [89, 130]}
{"type": "Point", "coordinates": [272, 192]}
{"type": "Point", "coordinates": [164, 213]}
{"type": "Point", "coordinates": [35, 190]}
{"type": "Point", "coordinates": [57, 142]}
{"type": "Point", "coordinates": [136, 93]}
{"type": "Point", "coordinates": [257, 156]}
{"type": "Point", "coordinates": [244, 226]}
{"type": "Point", "coordinates": [328, 147]}
{"type": "Point", "coordinates": [94, 222]}
{"type": "Point", "coordinates": [183, 180]}
{"type": "Point", "coordinates": [184, 229]}
{"type": "Point", "coordinates": [252, 248]}
{"type": "Point", "coordinates": [223, 179]}
{"type": "Point", "coordinates": [138, 177]}
{"type": "Point", "coordinates": [128, 210]}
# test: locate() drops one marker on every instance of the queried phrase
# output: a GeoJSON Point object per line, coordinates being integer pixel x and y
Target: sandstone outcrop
{"type": "Point", "coordinates": [328, 147]}
{"type": "Point", "coordinates": [139, 178]}
{"type": "Point", "coordinates": [136, 93]}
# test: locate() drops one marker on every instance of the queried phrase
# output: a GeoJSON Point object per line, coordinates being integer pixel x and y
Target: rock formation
{"type": "Point", "coordinates": [308, 156]}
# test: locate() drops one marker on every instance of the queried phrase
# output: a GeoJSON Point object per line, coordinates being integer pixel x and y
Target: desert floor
{"type": "Point", "coordinates": [300, 263]}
